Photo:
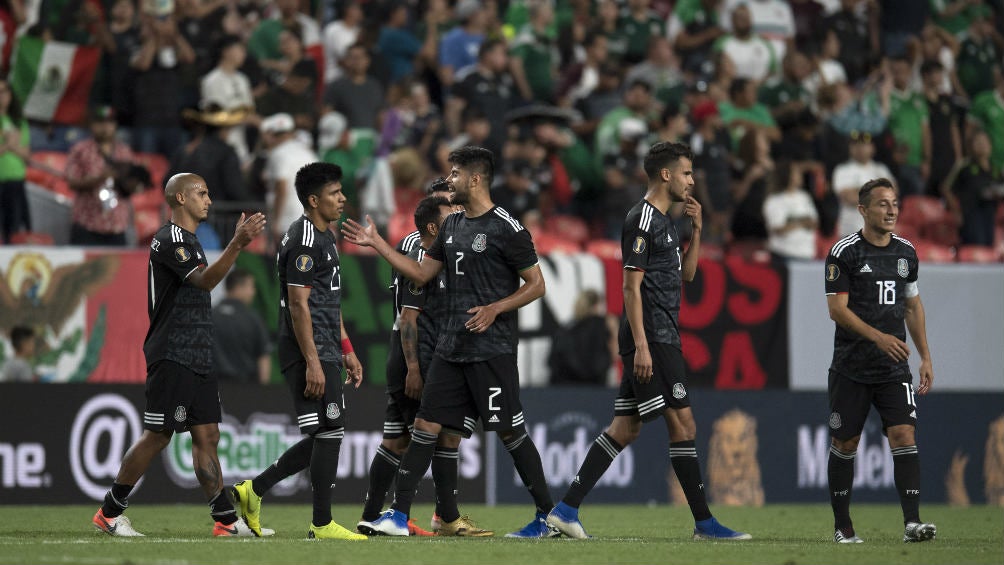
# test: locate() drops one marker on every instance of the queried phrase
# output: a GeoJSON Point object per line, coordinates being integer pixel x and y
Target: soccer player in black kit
{"type": "Point", "coordinates": [654, 269]}
{"type": "Point", "coordinates": [871, 290]}
{"type": "Point", "coordinates": [312, 347]}
{"type": "Point", "coordinates": [485, 253]}
{"type": "Point", "coordinates": [181, 392]}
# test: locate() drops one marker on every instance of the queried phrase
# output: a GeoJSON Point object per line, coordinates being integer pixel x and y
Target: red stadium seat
{"type": "Point", "coordinates": [933, 252]}
{"type": "Point", "coordinates": [158, 166]}
{"type": "Point", "coordinates": [570, 227]}
{"type": "Point", "coordinates": [30, 238]}
{"type": "Point", "coordinates": [46, 168]}
{"type": "Point", "coordinates": [400, 225]}
{"type": "Point", "coordinates": [978, 254]}
{"type": "Point", "coordinates": [920, 210]}
{"type": "Point", "coordinates": [824, 243]}
{"type": "Point", "coordinates": [547, 243]}
{"type": "Point", "coordinates": [604, 249]}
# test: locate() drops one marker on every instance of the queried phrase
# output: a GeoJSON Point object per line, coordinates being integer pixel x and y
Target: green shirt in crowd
{"type": "Point", "coordinates": [988, 110]}
{"type": "Point", "coordinates": [540, 58]}
{"type": "Point", "coordinates": [757, 113]}
{"type": "Point", "coordinates": [973, 65]}
{"type": "Point", "coordinates": [12, 166]}
{"type": "Point", "coordinates": [907, 116]}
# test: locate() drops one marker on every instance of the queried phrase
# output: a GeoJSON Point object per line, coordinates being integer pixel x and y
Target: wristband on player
{"type": "Point", "coordinates": [346, 347]}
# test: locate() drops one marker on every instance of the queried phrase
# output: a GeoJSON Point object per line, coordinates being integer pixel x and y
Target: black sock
{"type": "Point", "coordinates": [601, 454]}
{"type": "Point", "coordinates": [906, 472]}
{"type": "Point", "coordinates": [222, 510]}
{"type": "Point", "coordinates": [444, 474]}
{"type": "Point", "coordinates": [683, 456]}
{"type": "Point", "coordinates": [840, 470]}
{"type": "Point", "coordinates": [323, 468]}
{"type": "Point", "coordinates": [526, 459]}
{"type": "Point", "coordinates": [414, 463]}
{"type": "Point", "coordinates": [294, 460]}
{"type": "Point", "coordinates": [382, 471]}
{"type": "Point", "coordinates": [116, 500]}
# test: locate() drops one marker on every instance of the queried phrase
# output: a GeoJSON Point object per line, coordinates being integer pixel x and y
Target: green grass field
{"type": "Point", "coordinates": [783, 534]}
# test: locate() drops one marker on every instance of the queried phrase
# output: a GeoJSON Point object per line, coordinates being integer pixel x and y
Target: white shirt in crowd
{"type": "Point", "coordinates": [850, 176]}
{"type": "Point", "coordinates": [338, 37]}
{"type": "Point", "coordinates": [753, 58]}
{"type": "Point", "coordinates": [772, 19]}
{"type": "Point", "coordinates": [778, 210]}
{"type": "Point", "coordinates": [229, 91]}
{"type": "Point", "coordinates": [283, 162]}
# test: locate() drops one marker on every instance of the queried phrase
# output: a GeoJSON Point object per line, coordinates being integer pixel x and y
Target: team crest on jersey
{"type": "Point", "coordinates": [332, 412]}
{"type": "Point", "coordinates": [182, 254]}
{"type": "Point", "coordinates": [679, 391]}
{"type": "Point", "coordinates": [415, 289]}
{"type": "Point", "coordinates": [480, 242]}
{"type": "Point", "coordinates": [180, 415]}
{"type": "Point", "coordinates": [304, 263]}
{"type": "Point", "coordinates": [832, 272]}
{"type": "Point", "coordinates": [902, 267]}
{"type": "Point", "coordinates": [835, 422]}
{"type": "Point", "coordinates": [639, 245]}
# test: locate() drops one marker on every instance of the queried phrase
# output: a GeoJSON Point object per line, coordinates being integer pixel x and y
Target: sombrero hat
{"type": "Point", "coordinates": [213, 115]}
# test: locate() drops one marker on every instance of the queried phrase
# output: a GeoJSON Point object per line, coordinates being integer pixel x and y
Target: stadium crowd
{"type": "Point", "coordinates": [789, 107]}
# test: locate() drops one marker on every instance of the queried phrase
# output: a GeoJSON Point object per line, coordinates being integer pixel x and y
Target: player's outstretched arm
{"type": "Point", "coordinates": [839, 312]}
{"type": "Point", "coordinates": [248, 228]}
{"type": "Point", "coordinates": [916, 323]}
{"type": "Point", "coordinates": [367, 236]}
{"type": "Point", "coordinates": [532, 289]}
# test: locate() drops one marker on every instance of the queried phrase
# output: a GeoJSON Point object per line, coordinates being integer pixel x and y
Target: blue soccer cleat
{"type": "Point", "coordinates": [537, 528]}
{"type": "Point", "coordinates": [566, 520]}
{"type": "Point", "coordinates": [390, 523]}
{"type": "Point", "coordinates": [711, 529]}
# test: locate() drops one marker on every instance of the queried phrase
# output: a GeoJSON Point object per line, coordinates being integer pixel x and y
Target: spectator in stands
{"type": "Point", "coordinates": [397, 43]}
{"type": "Point", "coordinates": [982, 48]}
{"type": "Point", "coordinates": [826, 67]}
{"type": "Point", "coordinates": [209, 156]}
{"type": "Point", "coordinates": [265, 42]}
{"type": "Point", "coordinates": [712, 149]}
{"type": "Point", "coordinates": [987, 111]}
{"type": "Point", "coordinates": [637, 104]}
{"type": "Point", "coordinates": [241, 344]}
{"type": "Point", "coordinates": [286, 154]}
{"type": "Point", "coordinates": [583, 351]}
{"type": "Point", "coordinates": [229, 89]}
{"type": "Point", "coordinates": [339, 35]}
{"type": "Point", "coordinates": [201, 24]}
{"type": "Point", "coordinates": [785, 95]}
{"type": "Point", "coordinates": [857, 46]}
{"type": "Point", "coordinates": [459, 47]}
{"type": "Point", "coordinates": [693, 29]}
{"type": "Point", "coordinates": [534, 56]}
{"type": "Point", "coordinates": [100, 216]}
{"type": "Point", "coordinates": [974, 191]}
{"type": "Point", "coordinates": [476, 130]}
{"type": "Point", "coordinates": [156, 85]}
{"type": "Point", "coordinates": [908, 123]}
{"type": "Point", "coordinates": [901, 20]}
{"type": "Point", "coordinates": [756, 176]}
{"type": "Point", "coordinates": [356, 95]}
{"type": "Point", "coordinates": [955, 16]}
{"type": "Point", "coordinates": [661, 69]}
{"type": "Point", "coordinates": [600, 102]}
{"type": "Point", "coordinates": [19, 367]}
{"type": "Point", "coordinates": [770, 19]}
{"type": "Point", "coordinates": [488, 86]}
{"type": "Point", "coordinates": [517, 194]}
{"type": "Point", "coordinates": [14, 152]}
{"type": "Point", "coordinates": [754, 56]}
{"type": "Point", "coordinates": [580, 79]}
{"type": "Point", "coordinates": [943, 121]}
{"type": "Point", "coordinates": [848, 178]}
{"type": "Point", "coordinates": [790, 215]}
{"type": "Point", "coordinates": [294, 81]}
{"type": "Point", "coordinates": [743, 114]}
{"type": "Point", "coordinates": [936, 44]}
{"type": "Point", "coordinates": [607, 23]}
{"type": "Point", "coordinates": [125, 33]}
{"type": "Point", "coordinates": [626, 181]}
{"type": "Point", "coordinates": [640, 25]}
{"type": "Point", "coordinates": [847, 110]}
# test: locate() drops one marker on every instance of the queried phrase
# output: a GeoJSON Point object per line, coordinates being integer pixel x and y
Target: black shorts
{"type": "Point", "coordinates": [178, 398]}
{"type": "Point", "coordinates": [851, 400]}
{"type": "Point", "coordinates": [312, 414]}
{"type": "Point", "coordinates": [667, 389]}
{"type": "Point", "coordinates": [400, 415]}
{"type": "Point", "coordinates": [456, 395]}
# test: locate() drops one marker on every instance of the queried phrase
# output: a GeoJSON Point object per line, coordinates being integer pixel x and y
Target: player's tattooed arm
{"type": "Point", "coordinates": [409, 346]}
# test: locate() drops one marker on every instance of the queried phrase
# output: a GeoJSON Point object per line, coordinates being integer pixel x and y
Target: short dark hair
{"type": "Point", "coordinates": [487, 46]}
{"type": "Point", "coordinates": [19, 335]}
{"type": "Point", "coordinates": [312, 177]}
{"type": "Point", "coordinates": [476, 159]}
{"type": "Point", "coordinates": [237, 277]}
{"type": "Point", "coordinates": [664, 154]}
{"type": "Point", "coordinates": [930, 66]}
{"type": "Point", "coordinates": [438, 185]}
{"type": "Point", "coordinates": [427, 212]}
{"type": "Point", "coordinates": [865, 193]}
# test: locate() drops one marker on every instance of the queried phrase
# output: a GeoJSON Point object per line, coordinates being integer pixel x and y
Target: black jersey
{"type": "Point", "coordinates": [650, 243]}
{"type": "Point", "coordinates": [430, 300]}
{"type": "Point", "coordinates": [399, 283]}
{"type": "Point", "coordinates": [482, 257]}
{"type": "Point", "coordinates": [877, 281]}
{"type": "Point", "coordinates": [307, 257]}
{"type": "Point", "coordinates": [181, 320]}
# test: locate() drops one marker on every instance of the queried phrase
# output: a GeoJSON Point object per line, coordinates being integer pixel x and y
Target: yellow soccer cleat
{"type": "Point", "coordinates": [250, 505]}
{"type": "Point", "coordinates": [332, 531]}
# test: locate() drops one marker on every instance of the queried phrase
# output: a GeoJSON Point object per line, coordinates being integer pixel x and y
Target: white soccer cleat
{"type": "Point", "coordinates": [846, 535]}
{"type": "Point", "coordinates": [119, 526]}
{"type": "Point", "coordinates": [238, 529]}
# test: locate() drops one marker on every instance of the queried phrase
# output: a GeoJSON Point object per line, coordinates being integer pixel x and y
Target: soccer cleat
{"type": "Point", "coordinates": [917, 532]}
{"type": "Point", "coordinates": [566, 520]}
{"type": "Point", "coordinates": [243, 495]}
{"type": "Point", "coordinates": [332, 531]}
{"type": "Point", "coordinates": [463, 527]}
{"type": "Point", "coordinates": [390, 523]}
{"type": "Point", "coordinates": [537, 528]}
{"type": "Point", "coordinates": [711, 529]}
{"type": "Point", "coordinates": [435, 523]}
{"type": "Point", "coordinates": [846, 535]}
{"type": "Point", "coordinates": [238, 529]}
{"type": "Point", "coordinates": [415, 530]}
{"type": "Point", "coordinates": [119, 526]}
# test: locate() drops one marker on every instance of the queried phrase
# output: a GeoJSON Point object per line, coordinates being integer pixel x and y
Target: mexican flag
{"type": "Point", "coordinates": [53, 79]}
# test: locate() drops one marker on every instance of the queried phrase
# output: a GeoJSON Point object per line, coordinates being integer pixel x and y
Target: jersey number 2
{"type": "Point", "coordinates": [456, 264]}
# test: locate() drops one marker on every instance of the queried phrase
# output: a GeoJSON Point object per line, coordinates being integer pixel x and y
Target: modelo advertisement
{"type": "Point", "coordinates": [760, 447]}
{"type": "Point", "coordinates": [62, 444]}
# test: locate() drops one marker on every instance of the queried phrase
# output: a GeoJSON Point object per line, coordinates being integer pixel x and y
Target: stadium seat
{"type": "Point", "coordinates": [30, 238]}
{"type": "Point", "coordinates": [400, 225]}
{"type": "Point", "coordinates": [749, 250]}
{"type": "Point", "coordinates": [824, 243]}
{"type": "Point", "coordinates": [920, 210]}
{"type": "Point", "coordinates": [933, 252]}
{"type": "Point", "coordinates": [604, 249]}
{"type": "Point", "coordinates": [978, 254]}
{"type": "Point", "coordinates": [45, 168]}
{"type": "Point", "coordinates": [570, 227]}
{"type": "Point", "coordinates": [547, 243]}
{"type": "Point", "coordinates": [711, 251]}
{"type": "Point", "coordinates": [158, 166]}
